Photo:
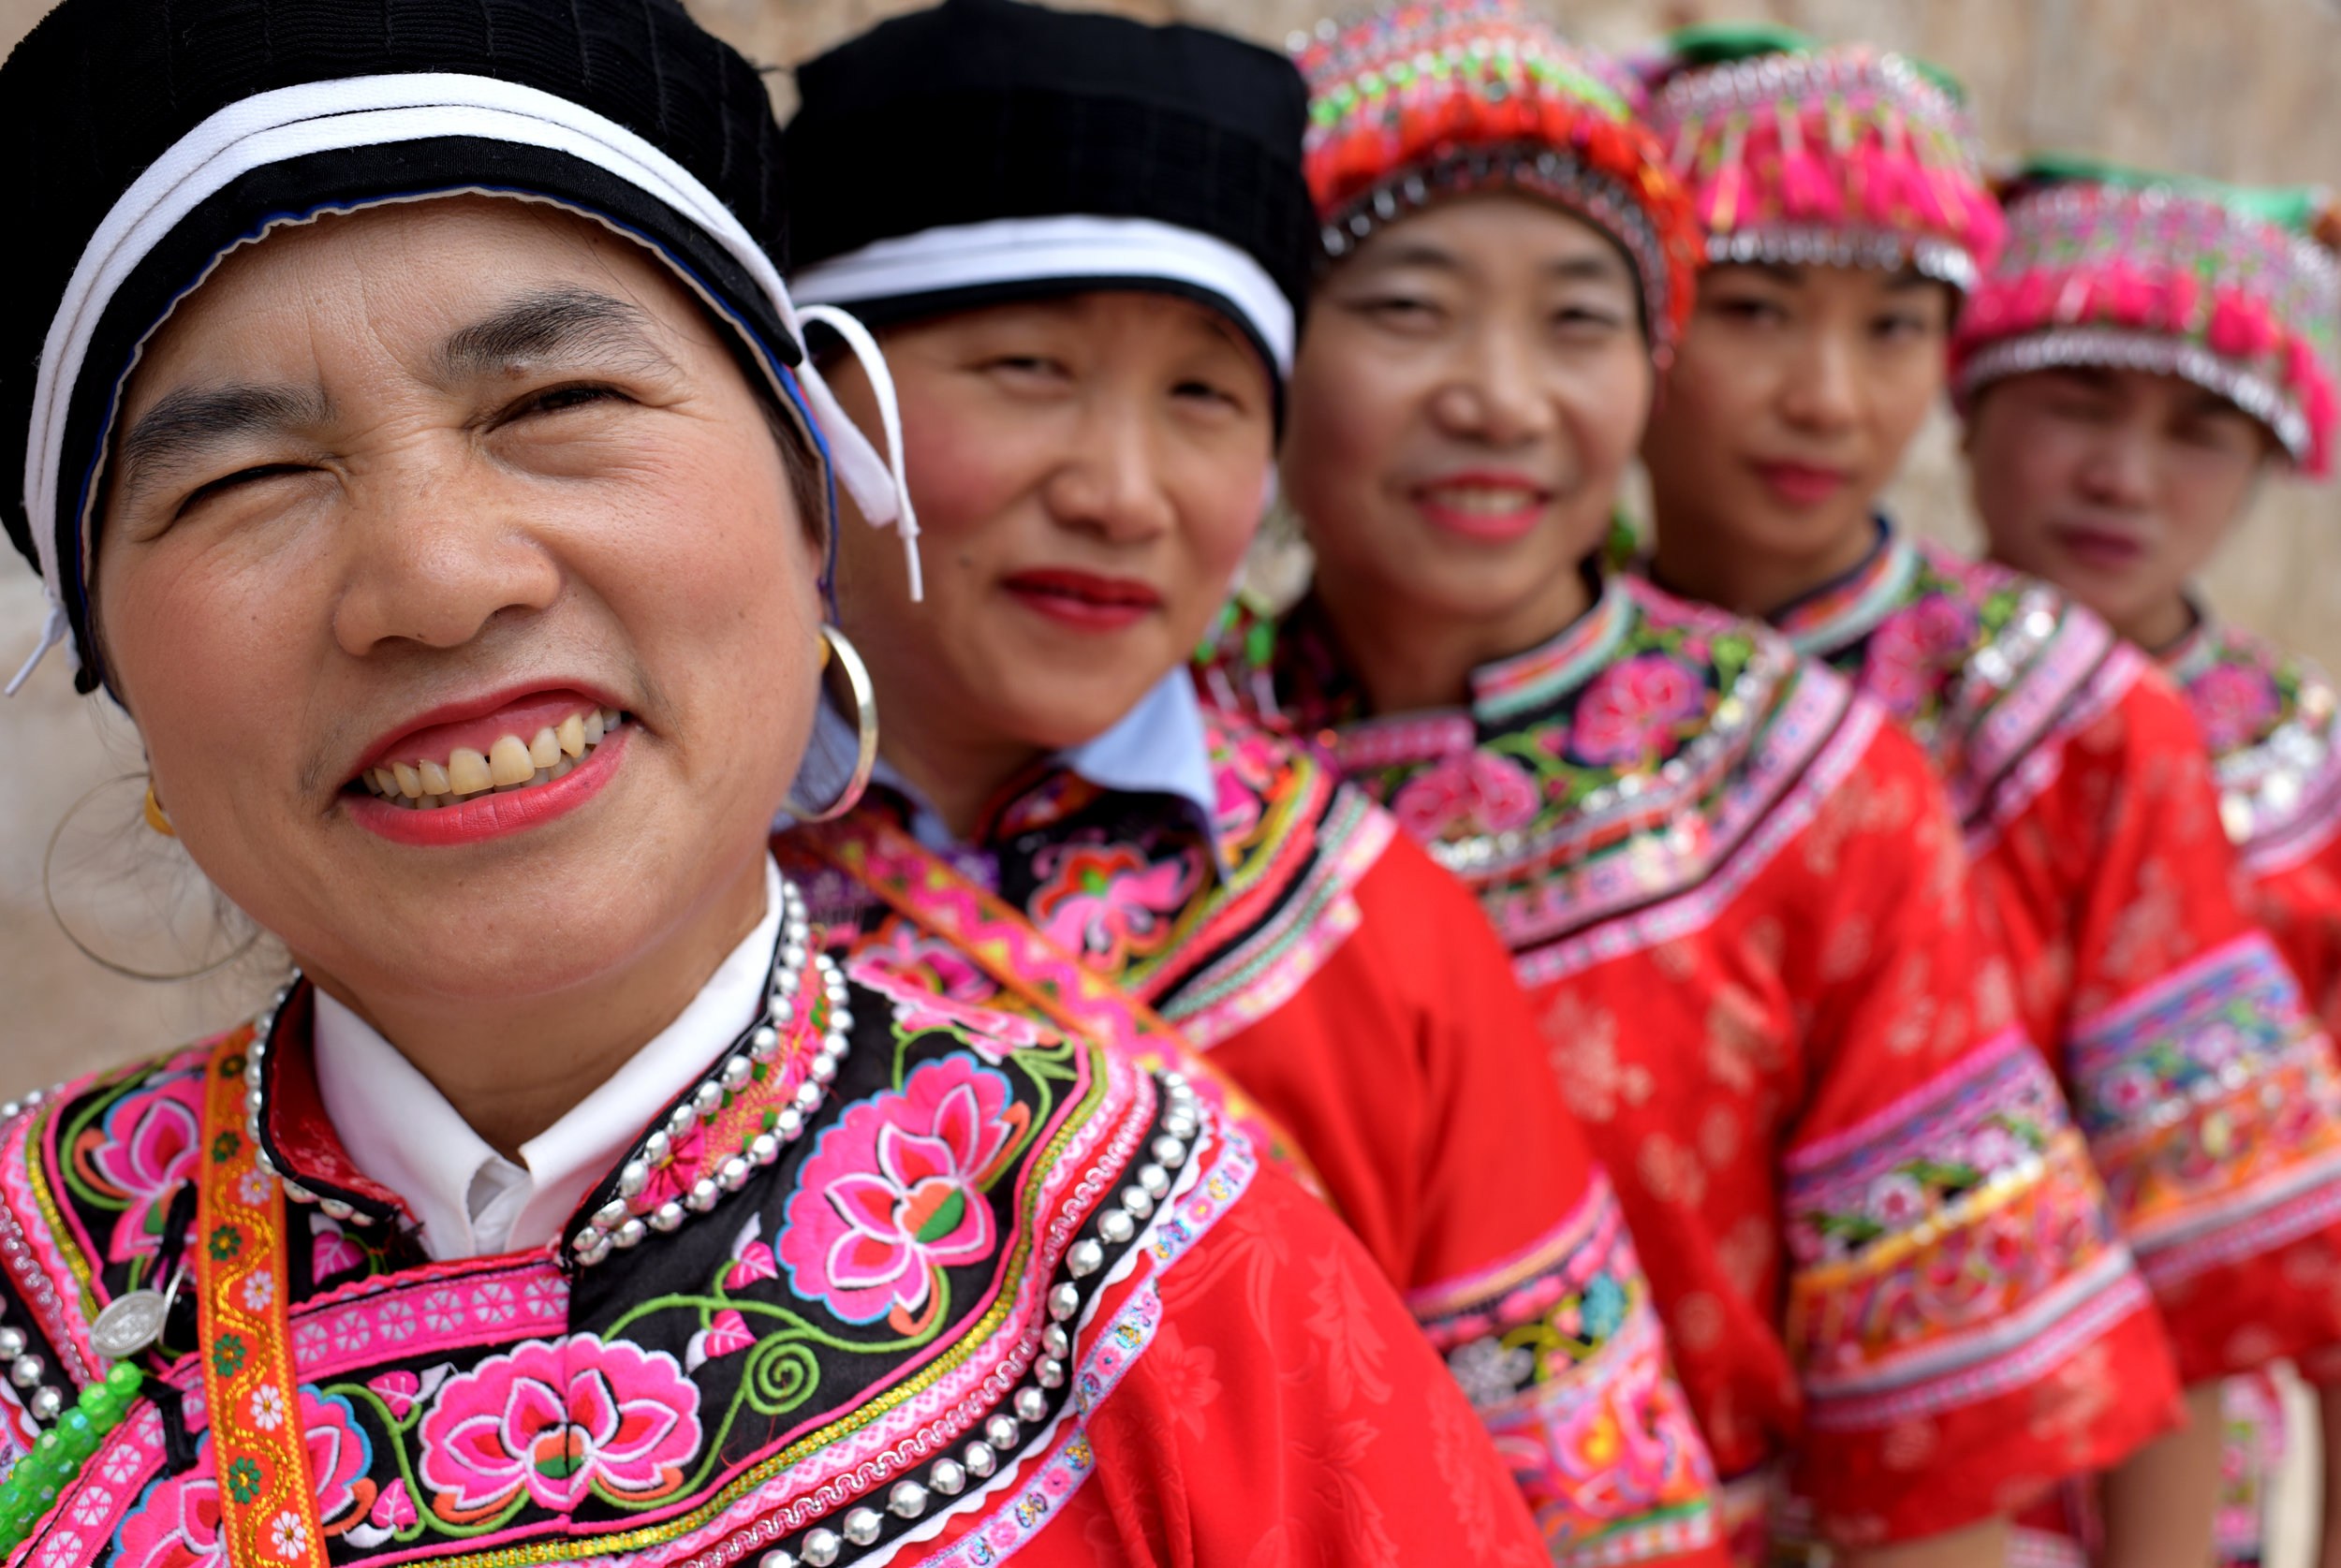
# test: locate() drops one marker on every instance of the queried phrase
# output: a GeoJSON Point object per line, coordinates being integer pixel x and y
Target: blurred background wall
{"type": "Point", "coordinates": [2245, 89]}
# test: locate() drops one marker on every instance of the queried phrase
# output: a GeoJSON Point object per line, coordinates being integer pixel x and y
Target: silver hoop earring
{"type": "Point", "coordinates": [835, 645]}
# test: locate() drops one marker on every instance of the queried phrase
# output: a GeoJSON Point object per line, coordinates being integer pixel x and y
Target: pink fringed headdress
{"type": "Point", "coordinates": [1843, 155]}
{"type": "Point", "coordinates": [2227, 287]}
{"type": "Point", "coordinates": [1419, 102]}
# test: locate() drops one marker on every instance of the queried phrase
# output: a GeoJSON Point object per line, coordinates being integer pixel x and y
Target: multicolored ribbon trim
{"type": "Point", "coordinates": [268, 1507]}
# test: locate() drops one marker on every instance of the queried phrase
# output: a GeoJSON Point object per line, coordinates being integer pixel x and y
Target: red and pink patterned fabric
{"type": "Point", "coordinates": [1346, 984]}
{"type": "Point", "coordinates": [2209, 1096]}
{"type": "Point", "coordinates": [939, 1328]}
{"type": "Point", "coordinates": [1738, 902]}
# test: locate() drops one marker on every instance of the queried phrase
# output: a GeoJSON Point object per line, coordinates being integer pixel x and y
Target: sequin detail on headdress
{"type": "Point", "coordinates": [1419, 102]}
{"type": "Point", "coordinates": [2219, 284]}
{"type": "Point", "coordinates": [1844, 155]}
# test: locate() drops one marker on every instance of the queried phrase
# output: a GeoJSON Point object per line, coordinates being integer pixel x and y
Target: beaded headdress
{"type": "Point", "coordinates": [1419, 102]}
{"type": "Point", "coordinates": [1845, 154]}
{"type": "Point", "coordinates": [2236, 289]}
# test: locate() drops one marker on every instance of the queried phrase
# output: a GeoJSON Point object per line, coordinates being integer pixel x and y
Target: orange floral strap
{"type": "Point", "coordinates": [922, 886]}
{"type": "Point", "coordinates": [267, 1500]}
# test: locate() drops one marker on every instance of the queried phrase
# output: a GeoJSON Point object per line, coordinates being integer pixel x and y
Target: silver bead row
{"type": "Point", "coordinates": [256, 1106]}
{"type": "Point", "coordinates": [25, 1371]}
{"type": "Point", "coordinates": [1004, 1432]}
{"type": "Point", "coordinates": [615, 1226]}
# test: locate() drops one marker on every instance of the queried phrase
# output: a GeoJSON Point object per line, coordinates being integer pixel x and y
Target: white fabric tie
{"type": "Point", "coordinates": [368, 111]}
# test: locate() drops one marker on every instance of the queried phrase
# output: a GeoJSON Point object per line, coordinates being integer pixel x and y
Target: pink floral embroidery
{"type": "Point", "coordinates": [1246, 768]}
{"type": "Point", "coordinates": [560, 1420]}
{"type": "Point", "coordinates": [1912, 647]}
{"type": "Point", "coordinates": [726, 1335]}
{"type": "Point", "coordinates": [1470, 792]}
{"type": "Point", "coordinates": [1630, 710]}
{"type": "Point", "coordinates": [331, 1252]}
{"type": "Point", "coordinates": [398, 1392]}
{"type": "Point", "coordinates": [1109, 903]}
{"type": "Point", "coordinates": [178, 1524]}
{"type": "Point", "coordinates": [751, 1259]}
{"type": "Point", "coordinates": [918, 1009]}
{"type": "Point", "coordinates": [672, 1181]}
{"type": "Point", "coordinates": [395, 1509]}
{"type": "Point", "coordinates": [903, 950]}
{"type": "Point", "coordinates": [893, 1193]}
{"type": "Point", "coordinates": [146, 1149]}
{"type": "Point", "coordinates": [2233, 705]}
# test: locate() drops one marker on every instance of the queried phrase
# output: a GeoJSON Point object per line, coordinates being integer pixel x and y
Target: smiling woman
{"type": "Point", "coordinates": [1729, 886]}
{"type": "Point", "coordinates": [423, 453]}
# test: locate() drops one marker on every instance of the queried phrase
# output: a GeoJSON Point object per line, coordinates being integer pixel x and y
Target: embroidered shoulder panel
{"type": "Point", "coordinates": [2269, 721]}
{"type": "Point", "coordinates": [1641, 756]}
{"type": "Point", "coordinates": [876, 1332]}
{"type": "Point", "coordinates": [1214, 937]}
{"type": "Point", "coordinates": [1984, 667]}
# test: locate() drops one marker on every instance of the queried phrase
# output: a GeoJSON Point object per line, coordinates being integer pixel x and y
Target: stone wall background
{"type": "Point", "coordinates": [2244, 89]}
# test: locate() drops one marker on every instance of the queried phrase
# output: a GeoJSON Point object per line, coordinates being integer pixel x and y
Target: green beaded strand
{"type": "Point", "coordinates": [32, 1487]}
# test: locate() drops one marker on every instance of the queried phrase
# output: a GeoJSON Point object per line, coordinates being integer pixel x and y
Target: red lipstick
{"type": "Point", "coordinates": [1083, 601]}
{"type": "Point", "coordinates": [492, 814]}
{"type": "Point", "coordinates": [1802, 484]}
{"type": "Point", "coordinates": [1500, 509]}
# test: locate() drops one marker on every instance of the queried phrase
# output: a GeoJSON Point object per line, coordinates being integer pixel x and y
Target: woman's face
{"type": "Point", "coordinates": [1468, 394]}
{"type": "Point", "coordinates": [2114, 484]}
{"type": "Point", "coordinates": [422, 496]}
{"type": "Point", "coordinates": [1789, 409]}
{"type": "Point", "coordinates": [1087, 472]}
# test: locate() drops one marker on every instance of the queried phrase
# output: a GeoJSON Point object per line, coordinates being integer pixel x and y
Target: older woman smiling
{"type": "Point", "coordinates": [420, 451]}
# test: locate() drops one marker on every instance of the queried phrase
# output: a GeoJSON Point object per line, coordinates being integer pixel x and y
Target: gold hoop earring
{"type": "Point", "coordinates": [838, 651]}
{"type": "Point", "coordinates": [170, 905]}
{"type": "Point", "coordinates": [156, 817]}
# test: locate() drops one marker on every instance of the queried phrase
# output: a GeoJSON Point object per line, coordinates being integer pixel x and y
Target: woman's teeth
{"type": "Point", "coordinates": [1474, 498]}
{"type": "Point", "coordinates": [511, 764]}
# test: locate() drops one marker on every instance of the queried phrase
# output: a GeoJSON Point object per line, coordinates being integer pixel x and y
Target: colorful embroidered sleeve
{"type": "Point", "coordinates": [2209, 1100]}
{"type": "Point", "coordinates": [1968, 1324]}
{"type": "Point", "coordinates": [1288, 1412]}
{"type": "Point", "coordinates": [1456, 1161]}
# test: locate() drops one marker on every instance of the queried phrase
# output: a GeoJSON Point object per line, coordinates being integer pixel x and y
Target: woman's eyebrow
{"type": "Point", "coordinates": [574, 325]}
{"type": "Point", "coordinates": [195, 419]}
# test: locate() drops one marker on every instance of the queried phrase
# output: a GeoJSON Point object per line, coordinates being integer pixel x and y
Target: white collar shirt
{"type": "Point", "coordinates": [470, 1200]}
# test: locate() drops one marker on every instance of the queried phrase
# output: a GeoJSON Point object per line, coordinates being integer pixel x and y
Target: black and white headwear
{"type": "Point", "coordinates": [988, 151]}
{"type": "Point", "coordinates": [148, 138]}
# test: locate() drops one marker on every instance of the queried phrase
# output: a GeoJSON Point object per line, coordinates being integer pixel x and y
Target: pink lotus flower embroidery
{"type": "Point", "coordinates": [894, 1192]}
{"type": "Point", "coordinates": [1470, 792]}
{"type": "Point", "coordinates": [178, 1524]}
{"type": "Point", "coordinates": [559, 1420]}
{"type": "Point", "coordinates": [2232, 706]}
{"type": "Point", "coordinates": [1911, 651]}
{"type": "Point", "coordinates": [1109, 903]}
{"type": "Point", "coordinates": [145, 1150]}
{"type": "Point", "coordinates": [1630, 710]}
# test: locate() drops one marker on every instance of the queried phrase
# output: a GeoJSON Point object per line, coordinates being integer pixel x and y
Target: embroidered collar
{"type": "Point", "coordinates": [2195, 651]}
{"type": "Point", "coordinates": [1847, 609]}
{"type": "Point", "coordinates": [690, 1146]}
{"type": "Point", "coordinates": [1159, 747]}
{"type": "Point", "coordinates": [1552, 669]}
{"type": "Point", "coordinates": [469, 1199]}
